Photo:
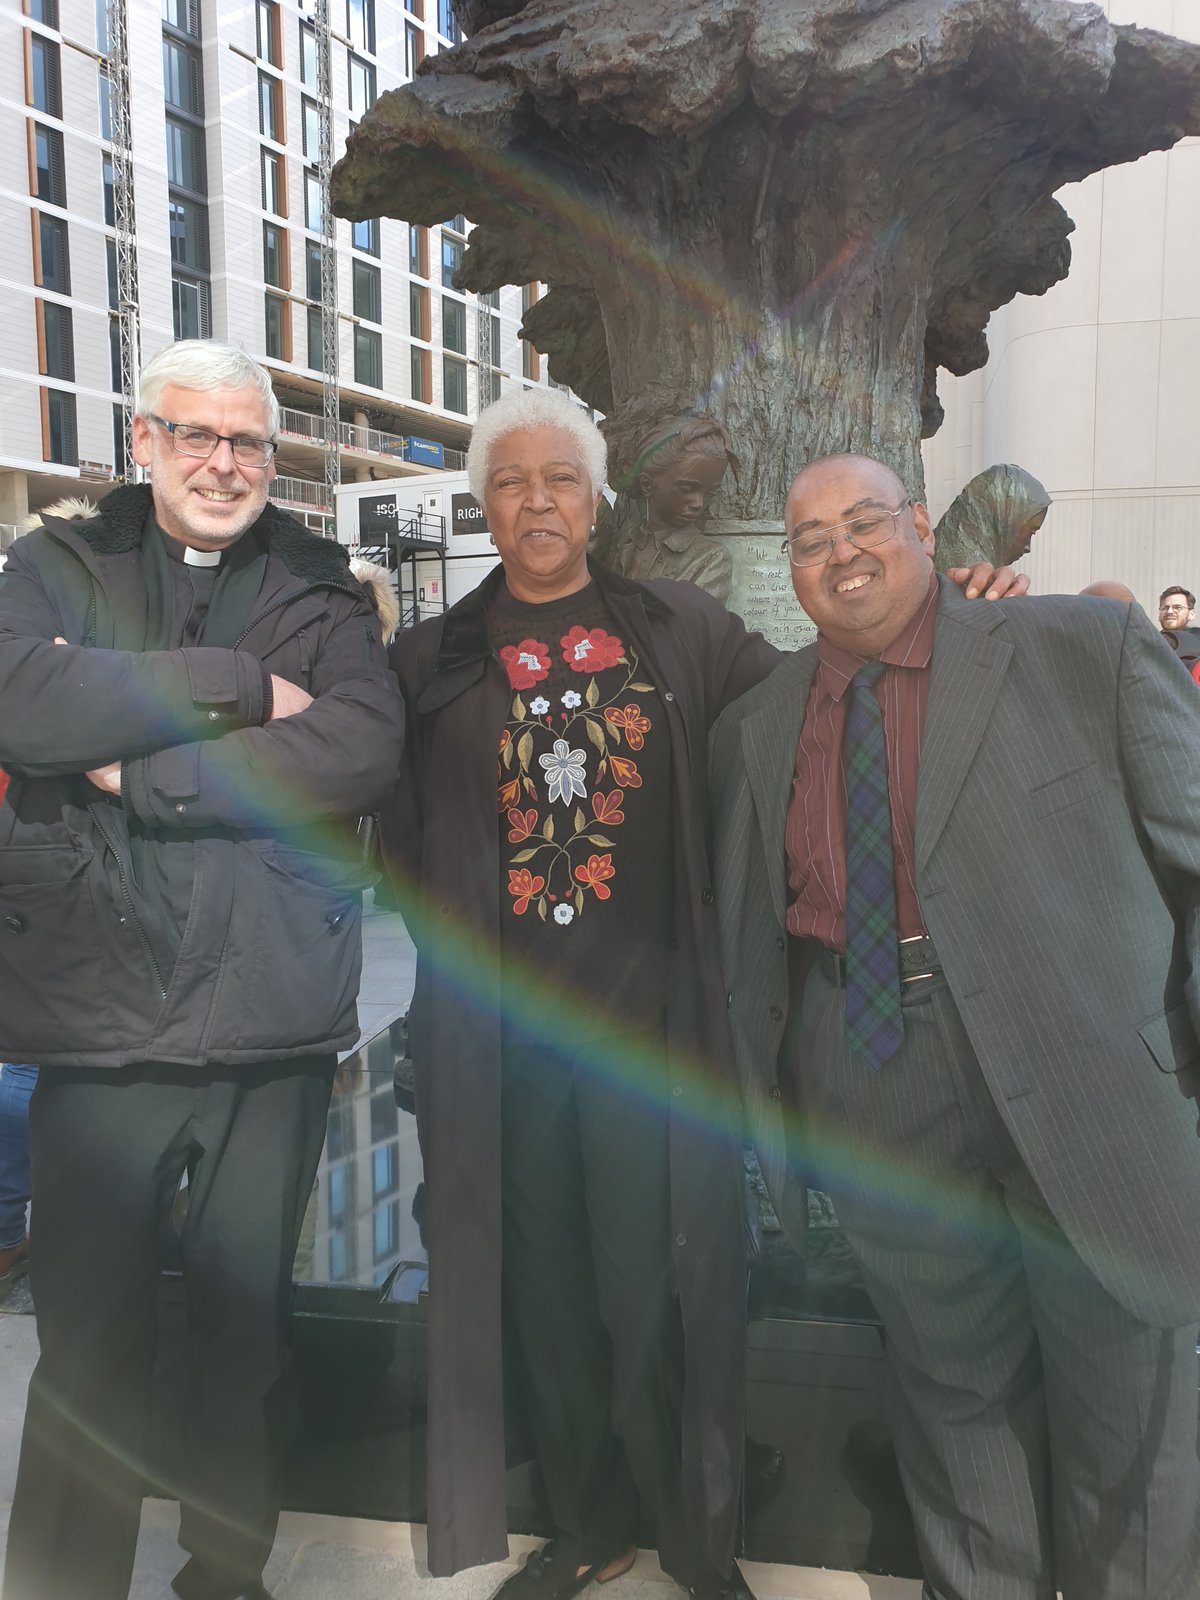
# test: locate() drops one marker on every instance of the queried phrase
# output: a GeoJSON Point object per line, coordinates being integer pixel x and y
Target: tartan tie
{"type": "Point", "coordinates": [874, 1024]}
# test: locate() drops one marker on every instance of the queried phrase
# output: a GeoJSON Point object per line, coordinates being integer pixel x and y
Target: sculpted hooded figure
{"type": "Point", "coordinates": [993, 519]}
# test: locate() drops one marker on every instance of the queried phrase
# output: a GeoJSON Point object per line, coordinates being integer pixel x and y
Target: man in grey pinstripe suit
{"type": "Point", "coordinates": [1020, 1180]}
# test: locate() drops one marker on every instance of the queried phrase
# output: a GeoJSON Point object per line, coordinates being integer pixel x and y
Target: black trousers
{"type": "Point", "coordinates": [588, 1292]}
{"type": "Point", "coordinates": [108, 1151]}
{"type": "Point", "coordinates": [1047, 1438]}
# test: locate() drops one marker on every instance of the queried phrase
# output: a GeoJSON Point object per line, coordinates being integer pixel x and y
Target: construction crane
{"type": "Point", "coordinates": [125, 218]}
{"type": "Point", "coordinates": [330, 414]}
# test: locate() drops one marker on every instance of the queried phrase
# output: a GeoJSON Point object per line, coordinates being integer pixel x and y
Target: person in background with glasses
{"type": "Point", "coordinates": [957, 865]}
{"type": "Point", "coordinates": [195, 696]}
{"type": "Point", "coordinates": [1176, 613]}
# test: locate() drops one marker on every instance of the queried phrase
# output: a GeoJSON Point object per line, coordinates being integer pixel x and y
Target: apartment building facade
{"type": "Point", "coordinates": [224, 108]}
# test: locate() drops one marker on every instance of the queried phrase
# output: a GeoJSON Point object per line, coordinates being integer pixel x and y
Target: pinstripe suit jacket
{"type": "Point", "coordinates": [1058, 867]}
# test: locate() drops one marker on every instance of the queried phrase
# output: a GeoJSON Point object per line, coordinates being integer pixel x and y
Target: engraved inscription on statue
{"type": "Point", "coordinates": [762, 593]}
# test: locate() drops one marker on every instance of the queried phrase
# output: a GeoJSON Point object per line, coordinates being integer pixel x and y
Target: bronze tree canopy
{"type": "Point", "coordinates": [786, 213]}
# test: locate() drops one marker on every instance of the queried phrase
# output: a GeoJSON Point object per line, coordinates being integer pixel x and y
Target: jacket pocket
{"type": "Point", "coordinates": [1064, 791]}
{"type": "Point", "coordinates": [51, 965]}
{"type": "Point", "coordinates": [1171, 1038]}
{"type": "Point", "coordinates": [308, 951]}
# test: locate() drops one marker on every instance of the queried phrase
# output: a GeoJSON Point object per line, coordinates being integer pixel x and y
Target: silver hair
{"type": "Point", "coordinates": [205, 364]}
{"type": "Point", "coordinates": [535, 408]}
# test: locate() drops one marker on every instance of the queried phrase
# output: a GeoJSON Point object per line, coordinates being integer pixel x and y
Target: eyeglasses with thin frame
{"type": "Point", "coordinates": [201, 442]}
{"type": "Point", "coordinates": [864, 533]}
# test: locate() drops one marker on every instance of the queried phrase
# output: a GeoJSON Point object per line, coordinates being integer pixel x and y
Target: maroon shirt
{"type": "Point", "coordinates": [816, 820]}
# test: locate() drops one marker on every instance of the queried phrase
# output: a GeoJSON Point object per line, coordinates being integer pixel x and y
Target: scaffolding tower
{"type": "Point", "coordinates": [129, 339]}
{"type": "Point", "coordinates": [330, 414]}
{"type": "Point", "coordinates": [486, 358]}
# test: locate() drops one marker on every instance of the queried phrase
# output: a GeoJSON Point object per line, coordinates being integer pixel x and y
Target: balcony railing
{"type": "Point", "coordinates": [301, 492]}
{"type": "Point", "coordinates": [369, 441]}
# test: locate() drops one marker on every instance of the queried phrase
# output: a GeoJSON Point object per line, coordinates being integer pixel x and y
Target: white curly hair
{"type": "Point", "coordinates": [535, 408]}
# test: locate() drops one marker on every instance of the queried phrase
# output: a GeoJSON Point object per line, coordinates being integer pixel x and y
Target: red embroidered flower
{"type": "Point", "coordinates": [521, 824]}
{"type": "Point", "coordinates": [585, 651]}
{"type": "Point", "coordinates": [593, 874]}
{"type": "Point", "coordinates": [522, 885]}
{"type": "Point", "coordinates": [606, 808]}
{"type": "Point", "coordinates": [633, 722]}
{"type": "Point", "coordinates": [508, 795]}
{"type": "Point", "coordinates": [526, 663]}
{"type": "Point", "coordinates": [625, 772]}
{"type": "Point", "coordinates": [505, 741]}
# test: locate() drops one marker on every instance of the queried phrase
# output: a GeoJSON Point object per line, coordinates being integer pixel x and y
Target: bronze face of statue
{"type": "Point", "coordinates": [657, 528]}
{"type": "Point", "coordinates": [993, 519]}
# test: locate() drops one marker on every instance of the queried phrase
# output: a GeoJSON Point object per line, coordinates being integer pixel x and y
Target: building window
{"type": "Point", "coordinates": [365, 236]}
{"type": "Point", "coordinates": [308, 55]}
{"type": "Point", "coordinates": [337, 1193]}
{"type": "Point", "coordinates": [54, 256]}
{"type": "Point", "coordinates": [183, 79]}
{"type": "Point", "coordinates": [494, 387]}
{"type": "Point", "coordinates": [270, 117]}
{"type": "Point", "coordinates": [188, 226]}
{"type": "Point", "coordinates": [49, 172]}
{"type": "Point", "coordinates": [361, 75]}
{"type": "Point", "coordinates": [454, 385]}
{"type": "Point", "coordinates": [114, 354]}
{"type": "Point", "coordinates": [44, 11]}
{"type": "Point", "coordinates": [385, 1171]}
{"type": "Point", "coordinates": [62, 436]}
{"type": "Point", "coordinates": [102, 27]}
{"type": "Point", "coordinates": [456, 224]}
{"type": "Point", "coordinates": [182, 14]}
{"type": "Point", "coordinates": [185, 156]}
{"type": "Point", "coordinates": [531, 366]}
{"type": "Point", "coordinates": [110, 261]}
{"type": "Point", "coordinates": [314, 210]}
{"type": "Point", "coordinates": [452, 254]}
{"type": "Point", "coordinates": [368, 357]}
{"type": "Point", "coordinates": [267, 25]}
{"type": "Point", "coordinates": [46, 80]}
{"type": "Point", "coordinates": [312, 129]}
{"type": "Point", "coordinates": [360, 24]}
{"type": "Point", "coordinates": [104, 89]}
{"type": "Point", "coordinates": [274, 256]}
{"type": "Point", "coordinates": [316, 353]}
{"type": "Point", "coordinates": [418, 316]}
{"type": "Point", "coordinates": [57, 341]}
{"type": "Point", "coordinates": [419, 375]}
{"type": "Point", "coordinates": [368, 300]}
{"type": "Point", "coordinates": [414, 49]}
{"type": "Point", "coordinates": [418, 252]}
{"type": "Point", "coordinates": [447, 26]}
{"type": "Point", "coordinates": [454, 325]}
{"type": "Point", "coordinates": [386, 1229]}
{"type": "Point", "coordinates": [276, 327]}
{"type": "Point", "coordinates": [273, 190]}
{"type": "Point", "coordinates": [189, 303]}
{"type": "Point", "coordinates": [312, 269]}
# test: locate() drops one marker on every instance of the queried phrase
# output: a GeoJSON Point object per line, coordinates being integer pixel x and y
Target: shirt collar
{"type": "Point", "coordinates": [912, 647]}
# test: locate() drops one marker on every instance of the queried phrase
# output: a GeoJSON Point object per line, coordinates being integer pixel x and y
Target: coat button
{"type": "Point", "coordinates": [677, 1090]}
{"type": "Point", "coordinates": [668, 695]}
{"type": "Point", "coordinates": [214, 716]}
{"type": "Point", "coordinates": [779, 944]}
{"type": "Point", "coordinates": [729, 998]}
{"type": "Point", "coordinates": [15, 924]}
{"type": "Point", "coordinates": [181, 807]}
{"type": "Point", "coordinates": [776, 1014]}
{"type": "Point", "coordinates": [706, 897]}
{"type": "Point", "coordinates": [773, 1091]}
{"type": "Point", "coordinates": [681, 1238]}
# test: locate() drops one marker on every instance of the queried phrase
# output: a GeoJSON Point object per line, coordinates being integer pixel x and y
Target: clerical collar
{"type": "Point", "coordinates": [201, 558]}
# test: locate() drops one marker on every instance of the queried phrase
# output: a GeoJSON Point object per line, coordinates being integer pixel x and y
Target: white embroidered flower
{"type": "Point", "coordinates": [564, 772]}
{"type": "Point", "coordinates": [564, 914]}
{"type": "Point", "coordinates": [571, 700]}
{"type": "Point", "coordinates": [539, 706]}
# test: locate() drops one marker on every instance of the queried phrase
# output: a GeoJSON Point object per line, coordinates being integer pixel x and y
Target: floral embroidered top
{"type": "Point", "coordinates": [583, 794]}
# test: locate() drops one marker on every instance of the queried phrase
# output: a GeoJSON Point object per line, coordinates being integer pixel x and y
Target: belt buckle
{"type": "Point", "coordinates": [914, 977]}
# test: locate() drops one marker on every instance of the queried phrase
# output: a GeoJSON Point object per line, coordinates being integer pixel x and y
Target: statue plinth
{"type": "Point", "coordinates": [762, 593]}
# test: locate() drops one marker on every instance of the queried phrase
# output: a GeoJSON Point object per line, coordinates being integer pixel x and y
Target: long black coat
{"type": "Point", "coordinates": [442, 839]}
{"type": "Point", "coordinates": [269, 963]}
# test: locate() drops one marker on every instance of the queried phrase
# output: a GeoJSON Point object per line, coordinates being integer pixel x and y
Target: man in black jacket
{"type": "Point", "coordinates": [194, 698]}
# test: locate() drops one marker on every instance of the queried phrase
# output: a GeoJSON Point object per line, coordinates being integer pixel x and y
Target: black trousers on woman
{"type": "Point", "coordinates": [588, 1291]}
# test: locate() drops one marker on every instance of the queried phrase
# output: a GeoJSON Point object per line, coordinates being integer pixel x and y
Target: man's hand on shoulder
{"type": "Point", "coordinates": [107, 778]}
{"type": "Point", "coordinates": [993, 583]}
{"type": "Point", "coordinates": [287, 699]}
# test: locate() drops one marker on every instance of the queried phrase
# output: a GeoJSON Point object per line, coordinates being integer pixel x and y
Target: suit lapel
{"type": "Point", "coordinates": [969, 663]}
{"type": "Point", "coordinates": [769, 737]}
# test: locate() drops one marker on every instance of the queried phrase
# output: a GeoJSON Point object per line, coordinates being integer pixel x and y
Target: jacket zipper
{"type": "Point", "coordinates": [127, 896]}
{"type": "Point", "coordinates": [286, 600]}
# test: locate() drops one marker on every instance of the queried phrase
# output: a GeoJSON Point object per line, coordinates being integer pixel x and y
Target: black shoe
{"type": "Point", "coordinates": [551, 1573]}
{"type": "Point", "coordinates": [734, 1587]}
{"type": "Point", "coordinates": [192, 1584]}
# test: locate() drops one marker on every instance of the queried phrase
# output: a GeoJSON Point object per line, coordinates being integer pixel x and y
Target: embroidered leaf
{"type": "Point", "coordinates": [525, 750]}
{"type": "Point", "coordinates": [548, 829]}
{"type": "Point", "coordinates": [579, 899]}
{"type": "Point", "coordinates": [614, 728]}
{"type": "Point", "coordinates": [518, 709]}
{"type": "Point", "coordinates": [507, 753]}
{"type": "Point", "coordinates": [595, 733]}
{"type": "Point", "coordinates": [525, 855]}
{"type": "Point", "coordinates": [596, 838]}
{"type": "Point", "coordinates": [541, 905]}
{"type": "Point", "coordinates": [530, 788]}
{"type": "Point", "coordinates": [641, 688]}
{"type": "Point", "coordinates": [578, 820]}
{"type": "Point", "coordinates": [592, 696]}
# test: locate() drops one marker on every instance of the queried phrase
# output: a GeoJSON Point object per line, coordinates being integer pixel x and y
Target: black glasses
{"type": "Point", "coordinates": [201, 442]}
{"type": "Point", "coordinates": [814, 549]}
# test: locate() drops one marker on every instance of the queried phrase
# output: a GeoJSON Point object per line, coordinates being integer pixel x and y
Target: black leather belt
{"type": "Point", "coordinates": [918, 959]}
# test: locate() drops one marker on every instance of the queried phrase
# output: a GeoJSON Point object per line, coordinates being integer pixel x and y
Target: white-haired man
{"type": "Point", "coordinates": [194, 695]}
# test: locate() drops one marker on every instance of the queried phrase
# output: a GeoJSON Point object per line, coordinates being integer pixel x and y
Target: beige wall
{"type": "Point", "coordinates": [1095, 386]}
